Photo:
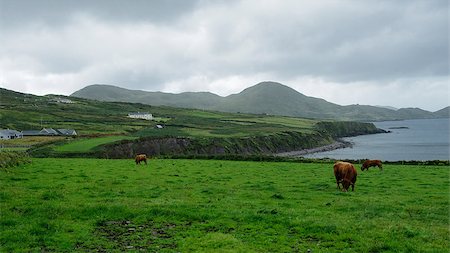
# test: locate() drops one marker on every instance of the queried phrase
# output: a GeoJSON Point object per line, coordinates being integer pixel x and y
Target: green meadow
{"type": "Point", "coordinates": [91, 205]}
{"type": "Point", "coordinates": [88, 144]}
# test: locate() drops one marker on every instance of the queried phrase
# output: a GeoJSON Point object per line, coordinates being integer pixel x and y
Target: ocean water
{"type": "Point", "coordinates": [421, 140]}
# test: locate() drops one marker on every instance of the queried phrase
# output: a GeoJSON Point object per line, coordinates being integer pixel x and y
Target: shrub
{"type": "Point", "coordinates": [13, 158]}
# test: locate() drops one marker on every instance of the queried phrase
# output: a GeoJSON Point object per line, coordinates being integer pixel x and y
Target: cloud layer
{"type": "Point", "coordinates": [367, 52]}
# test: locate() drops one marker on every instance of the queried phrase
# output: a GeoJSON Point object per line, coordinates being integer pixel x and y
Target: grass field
{"type": "Point", "coordinates": [66, 205]}
{"type": "Point", "coordinates": [87, 145]}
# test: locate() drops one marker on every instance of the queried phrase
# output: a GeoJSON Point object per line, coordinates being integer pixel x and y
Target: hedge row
{"type": "Point", "coordinates": [269, 158]}
{"type": "Point", "coordinates": [13, 158]}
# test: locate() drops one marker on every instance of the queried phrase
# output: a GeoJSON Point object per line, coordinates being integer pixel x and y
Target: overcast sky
{"type": "Point", "coordinates": [376, 52]}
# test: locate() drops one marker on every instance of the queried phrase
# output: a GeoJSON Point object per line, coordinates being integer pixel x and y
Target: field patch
{"type": "Point", "coordinates": [296, 123]}
{"type": "Point", "coordinates": [65, 205]}
{"type": "Point", "coordinates": [86, 145]}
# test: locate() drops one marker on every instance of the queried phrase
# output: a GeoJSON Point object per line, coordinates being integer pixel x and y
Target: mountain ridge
{"type": "Point", "coordinates": [263, 98]}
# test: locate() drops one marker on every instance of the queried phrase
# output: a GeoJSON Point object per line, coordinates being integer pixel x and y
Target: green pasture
{"type": "Point", "coordinates": [89, 205]}
{"type": "Point", "coordinates": [86, 145]}
{"type": "Point", "coordinates": [197, 124]}
{"type": "Point", "coordinates": [289, 122]}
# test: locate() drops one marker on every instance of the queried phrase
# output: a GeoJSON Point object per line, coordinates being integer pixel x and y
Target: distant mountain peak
{"type": "Point", "coordinates": [269, 84]}
{"type": "Point", "coordinates": [271, 89]}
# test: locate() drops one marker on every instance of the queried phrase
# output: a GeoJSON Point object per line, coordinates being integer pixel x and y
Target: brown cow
{"type": "Point", "coordinates": [345, 174]}
{"type": "Point", "coordinates": [371, 163]}
{"type": "Point", "coordinates": [337, 175]}
{"type": "Point", "coordinates": [141, 157]}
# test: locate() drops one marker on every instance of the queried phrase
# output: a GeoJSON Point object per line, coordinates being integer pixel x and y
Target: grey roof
{"type": "Point", "coordinates": [50, 131]}
{"type": "Point", "coordinates": [67, 131]}
{"type": "Point", "coordinates": [32, 132]}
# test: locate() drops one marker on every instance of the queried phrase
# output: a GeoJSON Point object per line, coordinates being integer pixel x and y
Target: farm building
{"type": "Point", "coordinates": [50, 132]}
{"type": "Point", "coordinates": [71, 132]}
{"type": "Point", "coordinates": [8, 134]}
{"type": "Point", "coordinates": [141, 115]}
{"type": "Point", "coordinates": [31, 132]}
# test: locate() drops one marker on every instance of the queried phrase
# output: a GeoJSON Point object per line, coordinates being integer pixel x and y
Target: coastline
{"type": "Point", "coordinates": [336, 145]}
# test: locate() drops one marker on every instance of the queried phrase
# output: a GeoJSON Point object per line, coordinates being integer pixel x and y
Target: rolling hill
{"type": "Point", "coordinates": [185, 131]}
{"type": "Point", "coordinates": [443, 113]}
{"type": "Point", "coordinates": [264, 98]}
{"type": "Point", "coordinates": [110, 93]}
{"type": "Point", "coordinates": [277, 99]}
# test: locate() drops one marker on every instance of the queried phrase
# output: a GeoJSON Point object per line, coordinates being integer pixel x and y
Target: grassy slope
{"type": "Point", "coordinates": [202, 124]}
{"type": "Point", "coordinates": [86, 145]}
{"type": "Point", "coordinates": [23, 112]}
{"type": "Point", "coordinates": [205, 206]}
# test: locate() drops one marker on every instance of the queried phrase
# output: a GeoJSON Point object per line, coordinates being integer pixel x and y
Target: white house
{"type": "Point", "coordinates": [141, 115]}
{"type": "Point", "coordinates": [8, 134]}
{"type": "Point", "coordinates": [63, 100]}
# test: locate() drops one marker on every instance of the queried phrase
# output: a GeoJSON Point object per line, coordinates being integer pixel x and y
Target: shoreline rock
{"type": "Point", "coordinates": [336, 145]}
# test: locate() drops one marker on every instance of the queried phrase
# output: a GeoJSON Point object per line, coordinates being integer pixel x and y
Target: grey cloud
{"type": "Point", "coordinates": [153, 45]}
{"type": "Point", "coordinates": [359, 43]}
{"type": "Point", "coordinates": [130, 78]}
{"type": "Point", "coordinates": [344, 41]}
{"type": "Point", "coordinates": [58, 12]}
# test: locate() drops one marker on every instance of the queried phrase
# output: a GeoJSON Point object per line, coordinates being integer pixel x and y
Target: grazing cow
{"type": "Point", "coordinates": [371, 163]}
{"type": "Point", "coordinates": [337, 175]}
{"type": "Point", "coordinates": [345, 174]}
{"type": "Point", "coordinates": [141, 157]}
